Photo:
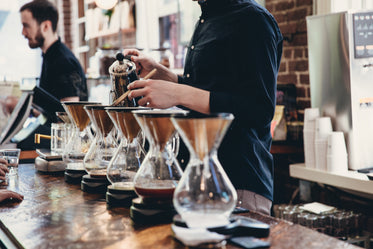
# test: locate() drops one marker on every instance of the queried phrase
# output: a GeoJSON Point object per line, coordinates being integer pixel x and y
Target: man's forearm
{"type": "Point", "coordinates": [163, 73]}
{"type": "Point", "coordinates": [194, 98]}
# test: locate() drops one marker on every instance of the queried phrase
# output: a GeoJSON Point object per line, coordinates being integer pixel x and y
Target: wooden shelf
{"type": "Point", "coordinates": [106, 33]}
{"type": "Point", "coordinates": [351, 181]}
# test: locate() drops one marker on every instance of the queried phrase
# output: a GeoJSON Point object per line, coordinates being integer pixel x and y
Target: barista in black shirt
{"type": "Point", "coordinates": [62, 75]}
{"type": "Point", "coordinates": [231, 66]}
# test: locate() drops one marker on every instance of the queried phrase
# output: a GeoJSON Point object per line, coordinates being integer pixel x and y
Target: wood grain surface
{"type": "Point", "coordinates": [55, 214]}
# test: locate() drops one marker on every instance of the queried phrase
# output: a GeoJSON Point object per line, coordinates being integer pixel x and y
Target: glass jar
{"type": "Point", "coordinates": [204, 197]}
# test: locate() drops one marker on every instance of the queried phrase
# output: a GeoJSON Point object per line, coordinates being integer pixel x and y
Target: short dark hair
{"type": "Point", "coordinates": [42, 10]}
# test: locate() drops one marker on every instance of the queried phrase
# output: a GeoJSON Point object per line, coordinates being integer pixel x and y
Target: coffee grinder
{"type": "Point", "coordinates": [159, 173]}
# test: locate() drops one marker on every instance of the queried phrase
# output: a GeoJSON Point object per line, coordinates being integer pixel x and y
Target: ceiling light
{"type": "Point", "coordinates": [106, 4]}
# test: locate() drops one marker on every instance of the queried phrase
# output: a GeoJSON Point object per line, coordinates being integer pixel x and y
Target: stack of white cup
{"type": "Point", "coordinates": [323, 127]}
{"type": "Point", "coordinates": [310, 115]}
{"type": "Point", "coordinates": [337, 153]}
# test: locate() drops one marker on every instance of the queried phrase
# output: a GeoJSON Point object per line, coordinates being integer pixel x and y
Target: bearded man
{"type": "Point", "coordinates": [61, 74]}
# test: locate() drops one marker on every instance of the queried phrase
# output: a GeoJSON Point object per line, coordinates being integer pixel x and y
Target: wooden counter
{"type": "Point", "coordinates": [28, 155]}
{"type": "Point", "coordinates": [55, 214]}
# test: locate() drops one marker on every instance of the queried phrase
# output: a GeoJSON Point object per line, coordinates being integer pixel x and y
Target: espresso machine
{"type": "Point", "coordinates": [340, 50]}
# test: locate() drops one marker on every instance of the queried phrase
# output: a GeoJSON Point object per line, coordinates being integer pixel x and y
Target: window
{"type": "Point", "coordinates": [329, 6]}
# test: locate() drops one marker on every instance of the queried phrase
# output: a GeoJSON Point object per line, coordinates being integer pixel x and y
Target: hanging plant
{"type": "Point", "coordinates": [109, 14]}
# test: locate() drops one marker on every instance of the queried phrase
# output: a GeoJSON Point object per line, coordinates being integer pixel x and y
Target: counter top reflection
{"type": "Point", "coordinates": [55, 214]}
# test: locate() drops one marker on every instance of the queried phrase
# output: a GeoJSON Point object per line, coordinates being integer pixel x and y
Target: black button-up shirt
{"type": "Point", "coordinates": [235, 54]}
{"type": "Point", "coordinates": [62, 75]}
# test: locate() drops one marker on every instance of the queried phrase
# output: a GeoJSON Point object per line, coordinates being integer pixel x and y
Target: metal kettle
{"type": "Point", "coordinates": [122, 73]}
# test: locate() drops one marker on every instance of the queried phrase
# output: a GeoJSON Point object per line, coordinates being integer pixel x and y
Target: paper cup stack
{"type": "Point", "coordinates": [310, 115]}
{"type": "Point", "coordinates": [323, 127]}
{"type": "Point", "coordinates": [337, 153]}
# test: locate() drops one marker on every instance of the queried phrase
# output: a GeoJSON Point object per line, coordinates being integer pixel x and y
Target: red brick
{"type": "Point", "coordinates": [298, 66]}
{"type": "Point", "coordinates": [297, 14]}
{"type": "Point", "coordinates": [302, 26]}
{"type": "Point", "coordinates": [280, 17]}
{"type": "Point", "coordinates": [301, 91]}
{"type": "Point", "coordinates": [284, 5]}
{"type": "Point", "coordinates": [299, 39]}
{"type": "Point", "coordinates": [283, 66]}
{"type": "Point", "coordinates": [287, 78]}
{"type": "Point", "coordinates": [304, 2]}
{"type": "Point", "coordinates": [303, 103]}
{"type": "Point", "coordinates": [298, 53]}
{"type": "Point", "coordinates": [305, 79]}
{"type": "Point", "coordinates": [270, 7]}
{"type": "Point", "coordinates": [287, 53]}
{"type": "Point", "coordinates": [288, 28]}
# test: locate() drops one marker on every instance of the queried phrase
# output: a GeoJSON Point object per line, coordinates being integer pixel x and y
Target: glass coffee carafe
{"type": "Point", "coordinates": [130, 153]}
{"type": "Point", "coordinates": [81, 137]}
{"type": "Point", "coordinates": [102, 149]}
{"type": "Point", "coordinates": [204, 197]}
{"type": "Point", "coordinates": [160, 172]}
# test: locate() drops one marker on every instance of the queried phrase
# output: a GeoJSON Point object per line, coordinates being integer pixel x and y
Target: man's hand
{"type": "Point", "coordinates": [10, 195]}
{"type": "Point", "coordinates": [145, 64]}
{"type": "Point", "coordinates": [155, 93]}
{"type": "Point", "coordinates": [3, 168]}
{"type": "Point", "coordinates": [4, 193]}
{"type": "Point", "coordinates": [164, 94]}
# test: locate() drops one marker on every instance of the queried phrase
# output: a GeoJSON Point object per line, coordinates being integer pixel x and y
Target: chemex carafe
{"type": "Point", "coordinates": [102, 149]}
{"type": "Point", "coordinates": [160, 172]}
{"type": "Point", "coordinates": [204, 197]}
{"type": "Point", "coordinates": [130, 153]}
{"type": "Point", "coordinates": [81, 137]}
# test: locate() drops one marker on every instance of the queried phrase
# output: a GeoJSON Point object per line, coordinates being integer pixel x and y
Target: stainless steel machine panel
{"type": "Point", "coordinates": [340, 47]}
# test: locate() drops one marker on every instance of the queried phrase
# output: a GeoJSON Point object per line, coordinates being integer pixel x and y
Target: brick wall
{"type": "Point", "coordinates": [291, 18]}
{"type": "Point", "coordinates": [65, 21]}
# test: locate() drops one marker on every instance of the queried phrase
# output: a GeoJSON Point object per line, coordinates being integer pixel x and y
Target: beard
{"type": "Point", "coordinates": [38, 41]}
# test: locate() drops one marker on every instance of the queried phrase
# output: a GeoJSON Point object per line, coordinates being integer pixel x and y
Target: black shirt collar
{"type": "Point", "coordinates": [212, 8]}
{"type": "Point", "coordinates": [52, 48]}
